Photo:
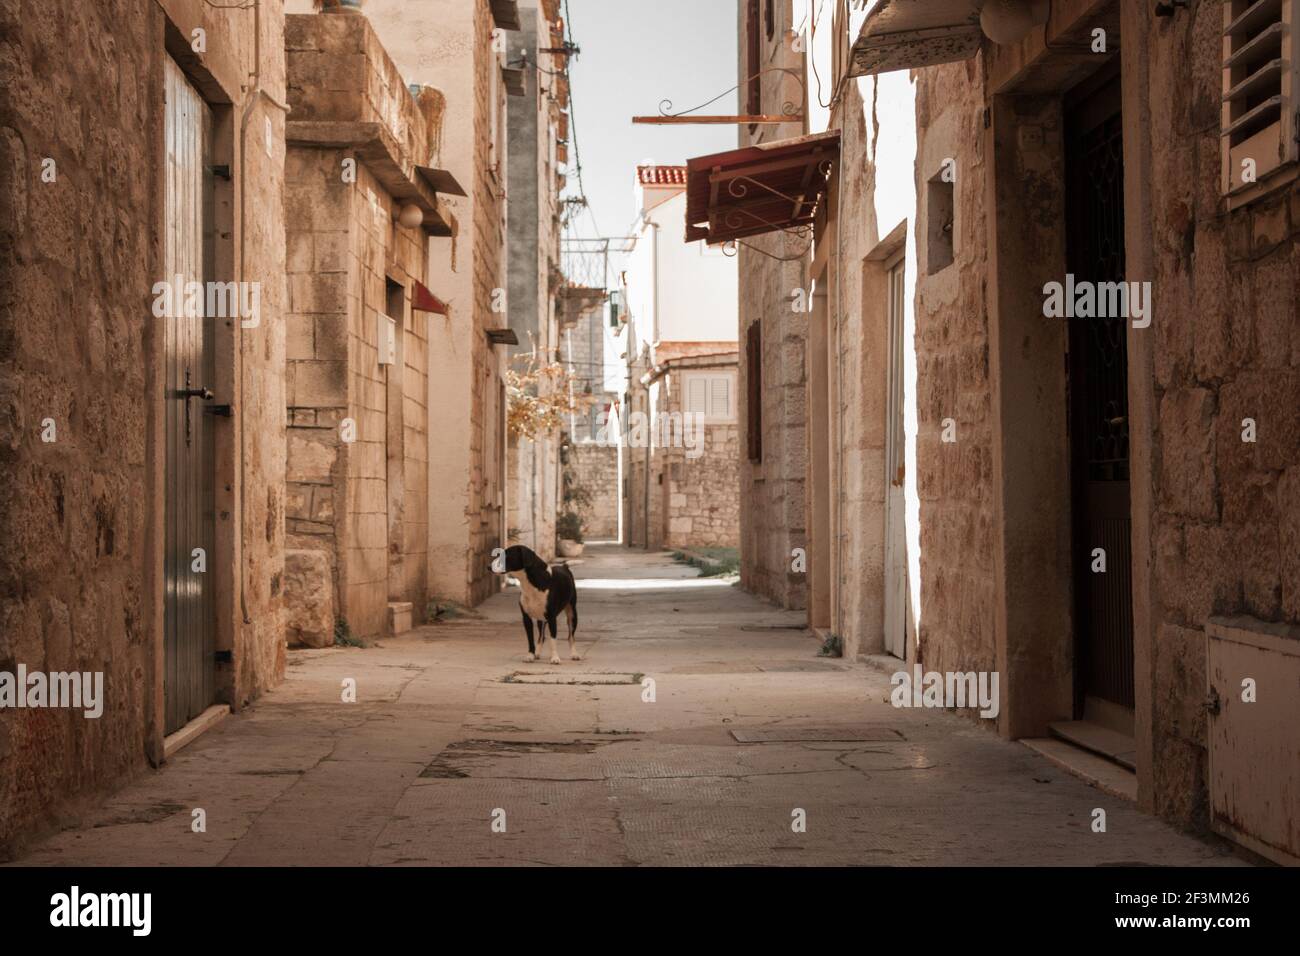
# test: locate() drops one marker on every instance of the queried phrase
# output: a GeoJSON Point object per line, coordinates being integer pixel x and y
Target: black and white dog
{"type": "Point", "coordinates": [546, 592]}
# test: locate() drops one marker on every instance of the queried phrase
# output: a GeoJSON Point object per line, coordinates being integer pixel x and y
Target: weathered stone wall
{"type": "Point", "coordinates": [772, 523]}
{"type": "Point", "coordinates": [594, 466]}
{"type": "Point", "coordinates": [698, 489]}
{"type": "Point", "coordinates": [82, 516]}
{"type": "Point", "coordinates": [1225, 513]}
{"type": "Point", "coordinates": [487, 414]}
{"type": "Point", "coordinates": [361, 501]}
{"type": "Point", "coordinates": [447, 44]}
{"type": "Point", "coordinates": [954, 479]}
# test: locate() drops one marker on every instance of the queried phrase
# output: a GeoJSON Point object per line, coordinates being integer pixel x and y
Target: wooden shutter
{"type": "Point", "coordinates": [754, 391]}
{"type": "Point", "coordinates": [720, 397]}
{"type": "Point", "coordinates": [697, 395]}
{"type": "Point", "coordinates": [1260, 76]}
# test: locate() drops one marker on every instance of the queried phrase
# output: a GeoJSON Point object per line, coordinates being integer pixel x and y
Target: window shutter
{"type": "Point", "coordinates": [697, 395]}
{"type": "Point", "coordinates": [1259, 122]}
{"type": "Point", "coordinates": [754, 391]}
{"type": "Point", "coordinates": [720, 397]}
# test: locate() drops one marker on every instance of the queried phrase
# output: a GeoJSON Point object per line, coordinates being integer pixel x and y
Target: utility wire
{"type": "Point", "coordinates": [573, 122]}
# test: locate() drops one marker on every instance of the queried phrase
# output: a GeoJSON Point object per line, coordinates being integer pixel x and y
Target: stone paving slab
{"type": "Point", "coordinates": [443, 761]}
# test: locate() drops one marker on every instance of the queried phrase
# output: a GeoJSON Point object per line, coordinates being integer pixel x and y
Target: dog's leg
{"type": "Point", "coordinates": [555, 646]}
{"type": "Point", "coordinates": [528, 629]}
{"type": "Point", "coordinates": [571, 617]}
{"type": "Point", "coordinates": [541, 638]}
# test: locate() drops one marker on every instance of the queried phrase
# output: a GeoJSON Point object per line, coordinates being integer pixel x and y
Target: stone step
{"type": "Point", "coordinates": [401, 617]}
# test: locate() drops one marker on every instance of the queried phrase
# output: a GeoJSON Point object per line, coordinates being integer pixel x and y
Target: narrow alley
{"type": "Point", "coordinates": [747, 726]}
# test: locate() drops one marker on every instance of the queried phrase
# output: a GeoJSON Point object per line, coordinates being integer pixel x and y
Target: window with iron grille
{"type": "Point", "coordinates": [754, 391]}
{"type": "Point", "coordinates": [1259, 124]}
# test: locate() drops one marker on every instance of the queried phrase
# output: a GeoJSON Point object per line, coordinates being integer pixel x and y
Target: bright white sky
{"type": "Point", "coordinates": [634, 54]}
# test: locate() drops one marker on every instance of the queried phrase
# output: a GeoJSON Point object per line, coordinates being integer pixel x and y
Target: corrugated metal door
{"type": "Point", "coordinates": [188, 685]}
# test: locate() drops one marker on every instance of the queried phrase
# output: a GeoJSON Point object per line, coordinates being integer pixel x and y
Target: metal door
{"type": "Point", "coordinates": [188, 684]}
{"type": "Point", "coordinates": [895, 504]}
{"type": "Point", "coordinates": [1098, 398]}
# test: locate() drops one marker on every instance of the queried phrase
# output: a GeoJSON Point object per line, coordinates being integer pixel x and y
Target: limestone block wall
{"type": "Point", "coordinates": [594, 466]}
{"type": "Point", "coordinates": [954, 479]}
{"type": "Point", "coordinates": [82, 515]}
{"type": "Point", "coordinates": [698, 492]}
{"type": "Point", "coordinates": [772, 523]}
{"type": "Point", "coordinates": [358, 437]}
{"type": "Point", "coordinates": [1226, 349]}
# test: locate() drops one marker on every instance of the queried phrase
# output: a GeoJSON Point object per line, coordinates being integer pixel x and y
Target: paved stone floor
{"type": "Point", "coordinates": [450, 731]}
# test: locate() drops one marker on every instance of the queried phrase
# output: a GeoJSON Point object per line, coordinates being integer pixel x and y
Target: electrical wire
{"type": "Point", "coordinates": [573, 124]}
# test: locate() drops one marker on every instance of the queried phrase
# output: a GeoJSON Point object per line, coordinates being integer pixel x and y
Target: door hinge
{"type": "Point", "coordinates": [222, 171]}
{"type": "Point", "coordinates": [224, 657]}
{"type": "Point", "coordinates": [1211, 703]}
{"type": "Point", "coordinates": [225, 411]}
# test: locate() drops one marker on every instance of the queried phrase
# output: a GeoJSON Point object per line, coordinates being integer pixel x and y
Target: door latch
{"type": "Point", "coordinates": [185, 394]}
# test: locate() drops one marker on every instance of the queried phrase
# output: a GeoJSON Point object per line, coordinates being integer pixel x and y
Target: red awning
{"type": "Point", "coordinates": [422, 300]}
{"type": "Point", "coordinates": [758, 189]}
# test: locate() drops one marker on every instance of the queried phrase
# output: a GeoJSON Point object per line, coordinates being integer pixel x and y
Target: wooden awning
{"type": "Point", "coordinates": [758, 189]}
{"type": "Point", "coordinates": [906, 34]}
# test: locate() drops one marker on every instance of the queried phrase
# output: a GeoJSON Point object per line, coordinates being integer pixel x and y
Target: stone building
{"type": "Point", "coordinates": [1035, 489]}
{"type": "Point", "coordinates": [362, 207]}
{"type": "Point", "coordinates": [141, 152]}
{"type": "Point", "coordinates": [681, 472]}
{"type": "Point", "coordinates": [537, 135]}
{"type": "Point", "coordinates": [592, 460]}
{"type": "Point", "coordinates": [459, 48]}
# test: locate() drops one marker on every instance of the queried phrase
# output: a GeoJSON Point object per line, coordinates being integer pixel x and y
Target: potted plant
{"type": "Point", "coordinates": [568, 529]}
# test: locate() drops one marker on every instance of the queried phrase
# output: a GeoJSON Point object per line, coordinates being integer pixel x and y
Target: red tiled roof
{"type": "Point", "coordinates": [661, 175]}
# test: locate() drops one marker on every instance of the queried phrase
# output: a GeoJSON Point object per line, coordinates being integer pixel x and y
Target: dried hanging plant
{"type": "Point", "coordinates": [538, 398]}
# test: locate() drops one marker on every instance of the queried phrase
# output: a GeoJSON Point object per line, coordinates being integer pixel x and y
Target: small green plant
{"type": "Point", "coordinates": [343, 634]}
{"type": "Point", "coordinates": [712, 562]}
{"type": "Point", "coordinates": [833, 646]}
{"type": "Point", "coordinates": [440, 609]}
{"type": "Point", "coordinates": [569, 526]}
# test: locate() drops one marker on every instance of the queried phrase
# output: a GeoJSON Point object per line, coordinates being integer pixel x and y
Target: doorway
{"type": "Point", "coordinates": [895, 450]}
{"type": "Point", "coordinates": [1098, 410]}
{"type": "Point", "coordinates": [189, 658]}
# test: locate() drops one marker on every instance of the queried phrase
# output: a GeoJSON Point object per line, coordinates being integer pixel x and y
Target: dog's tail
{"type": "Point", "coordinates": [573, 592]}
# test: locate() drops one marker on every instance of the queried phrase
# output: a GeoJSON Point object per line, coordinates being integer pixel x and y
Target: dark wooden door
{"type": "Point", "coordinates": [189, 663]}
{"type": "Point", "coordinates": [1098, 398]}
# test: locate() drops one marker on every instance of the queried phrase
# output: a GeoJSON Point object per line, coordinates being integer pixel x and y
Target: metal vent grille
{"type": "Point", "coordinates": [1259, 81]}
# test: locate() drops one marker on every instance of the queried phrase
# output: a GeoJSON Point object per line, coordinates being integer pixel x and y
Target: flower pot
{"type": "Point", "coordinates": [570, 548]}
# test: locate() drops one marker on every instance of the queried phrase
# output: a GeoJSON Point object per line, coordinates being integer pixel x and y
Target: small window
{"type": "Point", "coordinates": [1258, 125]}
{"type": "Point", "coordinates": [939, 212]}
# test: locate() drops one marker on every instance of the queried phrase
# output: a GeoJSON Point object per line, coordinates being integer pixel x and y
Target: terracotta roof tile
{"type": "Point", "coordinates": [661, 175]}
